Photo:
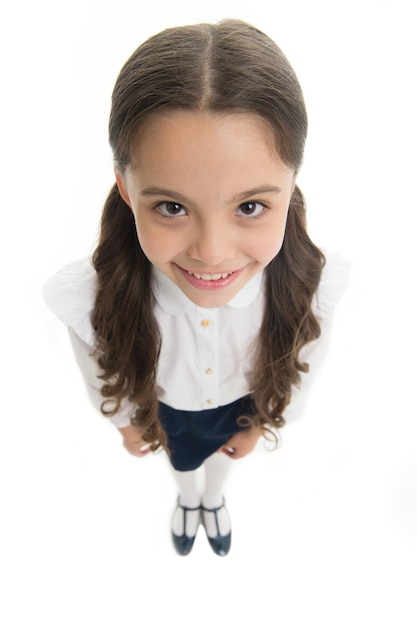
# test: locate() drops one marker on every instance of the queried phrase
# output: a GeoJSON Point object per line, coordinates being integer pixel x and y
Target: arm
{"type": "Point", "coordinates": [90, 370]}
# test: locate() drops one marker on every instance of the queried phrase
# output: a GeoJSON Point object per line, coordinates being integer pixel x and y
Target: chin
{"type": "Point", "coordinates": [210, 300]}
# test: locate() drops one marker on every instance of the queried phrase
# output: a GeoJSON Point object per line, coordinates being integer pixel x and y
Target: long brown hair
{"type": "Point", "coordinates": [226, 67]}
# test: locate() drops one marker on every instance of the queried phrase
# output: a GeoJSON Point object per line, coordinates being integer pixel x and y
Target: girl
{"type": "Point", "coordinates": [204, 285]}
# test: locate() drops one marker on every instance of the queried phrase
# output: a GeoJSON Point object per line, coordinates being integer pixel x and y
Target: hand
{"type": "Point", "coordinates": [133, 442]}
{"type": "Point", "coordinates": [241, 443]}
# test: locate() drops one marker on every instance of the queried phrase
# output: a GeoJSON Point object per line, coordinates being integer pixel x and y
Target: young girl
{"type": "Point", "coordinates": [204, 285]}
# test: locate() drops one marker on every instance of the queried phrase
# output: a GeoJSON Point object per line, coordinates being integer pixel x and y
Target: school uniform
{"type": "Point", "coordinates": [205, 363]}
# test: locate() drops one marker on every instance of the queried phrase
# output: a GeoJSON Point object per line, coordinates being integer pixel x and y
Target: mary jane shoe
{"type": "Point", "coordinates": [221, 543]}
{"type": "Point", "coordinates": [183, 543]}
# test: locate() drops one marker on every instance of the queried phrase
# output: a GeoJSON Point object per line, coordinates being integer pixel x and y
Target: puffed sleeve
{"type": "Point", "coordinates": [333, 284]}
{"type": "Point", "coordinates": [70, 295]}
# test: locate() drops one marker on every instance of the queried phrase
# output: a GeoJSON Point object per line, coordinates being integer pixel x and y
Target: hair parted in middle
{"type": "Point", "coordinates": [229, 67]}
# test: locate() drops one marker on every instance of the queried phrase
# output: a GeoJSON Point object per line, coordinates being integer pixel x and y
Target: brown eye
{"type": "Point", "coordinates": [171, 209]}
{"type": "Point", "coordinates": [251, 209]}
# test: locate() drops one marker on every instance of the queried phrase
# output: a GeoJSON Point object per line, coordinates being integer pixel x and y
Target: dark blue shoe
{"type": "Point", "coordinates": [221, 543]}
{"type": "Point", "coordinates": [182, 543]}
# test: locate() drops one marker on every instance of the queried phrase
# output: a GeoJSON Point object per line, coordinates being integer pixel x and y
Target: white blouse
{"type": "Point", "coordinates": [206, 354]}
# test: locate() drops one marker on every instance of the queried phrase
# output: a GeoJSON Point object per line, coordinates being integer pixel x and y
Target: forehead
{"type": "Point", "coordinates": [207, 158]}
{"type": "Point", "coordinates": [188, 131]}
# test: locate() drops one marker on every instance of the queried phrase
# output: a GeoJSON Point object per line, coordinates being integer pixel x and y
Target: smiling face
{"type": "Point", "coordinates": [210, 199]}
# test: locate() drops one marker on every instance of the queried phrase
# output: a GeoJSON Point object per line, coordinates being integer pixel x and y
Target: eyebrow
{"type": "Point", "coordinates": [158, 191]}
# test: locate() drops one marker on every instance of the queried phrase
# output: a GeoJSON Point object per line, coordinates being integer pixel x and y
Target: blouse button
{"type": "Point", "coordinates": [205, 323]}
{"type": "Point", "coordinates": [209, 372]}
{"type": "Point", "coordinates": [209, 401]}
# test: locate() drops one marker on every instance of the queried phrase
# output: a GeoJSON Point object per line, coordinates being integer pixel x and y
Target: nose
{"type": "Point", "coordinates": [212, 244]}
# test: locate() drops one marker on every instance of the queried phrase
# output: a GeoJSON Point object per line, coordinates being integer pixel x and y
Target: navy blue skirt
{"type": "Point", "coordinates": [193, 436]}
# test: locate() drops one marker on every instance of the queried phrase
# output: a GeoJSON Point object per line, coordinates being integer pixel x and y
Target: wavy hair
{"type": "Point", "coordinates": [222, 68]}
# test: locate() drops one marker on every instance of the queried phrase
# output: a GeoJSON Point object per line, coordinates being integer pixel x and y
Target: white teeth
{"type": "Point", "coordinates": [210, 276]}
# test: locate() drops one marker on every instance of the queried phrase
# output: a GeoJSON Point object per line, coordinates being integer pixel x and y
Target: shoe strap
{"type": "Point", "coordinates": [217, 508]}
{"type": "Point", "coordinates": [187, 508]}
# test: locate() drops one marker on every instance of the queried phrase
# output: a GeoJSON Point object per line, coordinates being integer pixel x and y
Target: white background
{"type": "Point", "coordinates": [325, 529]}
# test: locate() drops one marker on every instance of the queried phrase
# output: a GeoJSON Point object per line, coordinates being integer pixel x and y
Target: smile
{"type": "Point", "coordinates": [209, 282]}
{"type": "Point", "coordinates": [210, 276]}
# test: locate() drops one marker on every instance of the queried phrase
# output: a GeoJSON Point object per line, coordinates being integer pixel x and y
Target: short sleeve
{"type": "Point", "coordinates": [70, 295]}
{"type": "Point", "coordinates": [333, 284]}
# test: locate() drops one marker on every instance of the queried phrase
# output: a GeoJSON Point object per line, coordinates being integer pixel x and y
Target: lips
{"type": "Point", "coordinates": [209, 282]}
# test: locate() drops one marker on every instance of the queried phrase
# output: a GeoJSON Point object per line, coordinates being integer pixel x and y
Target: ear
{"type": "Point", "coordinates": [121, 184]}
